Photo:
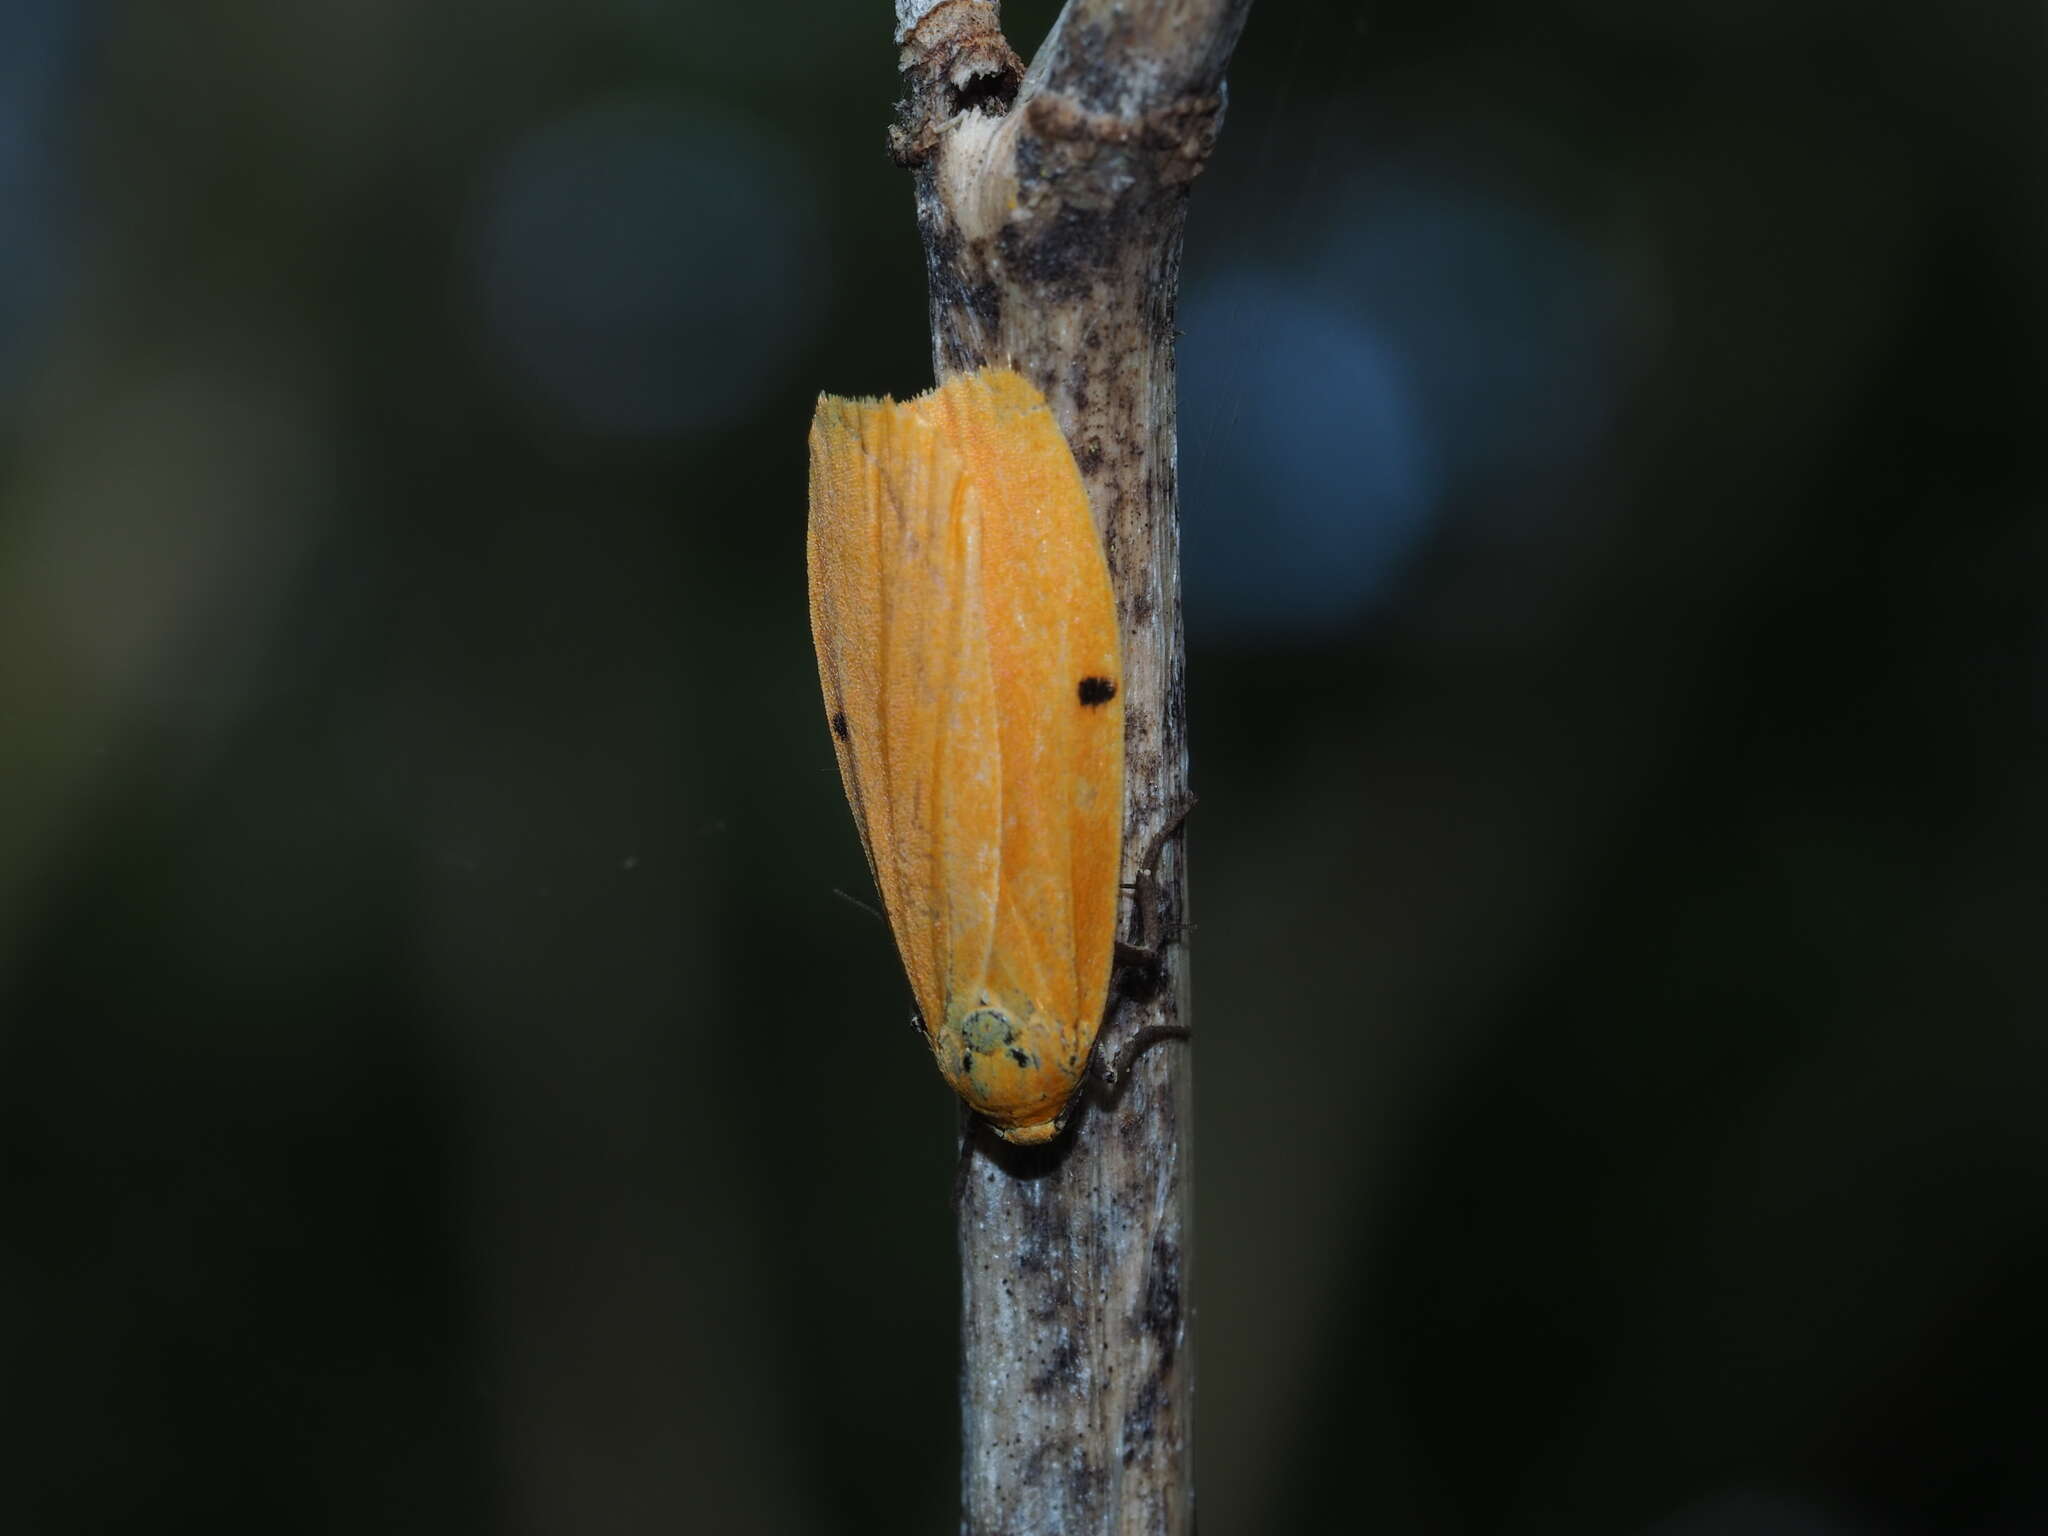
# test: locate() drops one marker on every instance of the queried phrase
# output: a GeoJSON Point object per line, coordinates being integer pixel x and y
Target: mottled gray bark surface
{"type": "Point", "coordinates": [1051, 204]}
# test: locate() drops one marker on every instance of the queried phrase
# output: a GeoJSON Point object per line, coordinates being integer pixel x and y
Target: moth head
{"type": "Point", "coordinates": [1012, 1065]}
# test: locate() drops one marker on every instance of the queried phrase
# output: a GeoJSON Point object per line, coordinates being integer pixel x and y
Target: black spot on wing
{"type": "Point", "coordinates": [839, 725]}
{"type": "Point", "coordinates": [1097, 690]}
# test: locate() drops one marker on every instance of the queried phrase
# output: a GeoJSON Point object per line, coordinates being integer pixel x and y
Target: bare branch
{"type": "Point", "coordinates": [1128, 60]}
{"type": "Point", "coordinates": [1051, 205]}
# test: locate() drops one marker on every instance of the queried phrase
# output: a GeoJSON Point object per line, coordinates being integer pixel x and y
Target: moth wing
{"type": "Point", "coordinates": [897, 618]}
{"type": "Point", "coordinates": [842, 558]}
{"type": "Point", "coordinates": [1059, 713]}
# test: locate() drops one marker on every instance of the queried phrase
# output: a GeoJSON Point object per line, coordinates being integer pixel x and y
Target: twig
{"type": "Point", "coordinates": [1051, 205]}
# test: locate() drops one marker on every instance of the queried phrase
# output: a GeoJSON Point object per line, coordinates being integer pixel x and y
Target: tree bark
{"type": "Point", "coordinates": [1051, 205]}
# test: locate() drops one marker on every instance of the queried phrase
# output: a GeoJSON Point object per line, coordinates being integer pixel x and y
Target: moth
{"type": "Point", "coordinates": [967, 645]}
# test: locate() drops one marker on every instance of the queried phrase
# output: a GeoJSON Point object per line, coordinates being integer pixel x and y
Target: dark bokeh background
{"type": "Point", "coordinates": [440, 1089]}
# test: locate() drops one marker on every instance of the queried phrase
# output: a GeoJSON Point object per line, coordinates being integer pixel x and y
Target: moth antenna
{"type": "Point", "coordinates": [854, 901]}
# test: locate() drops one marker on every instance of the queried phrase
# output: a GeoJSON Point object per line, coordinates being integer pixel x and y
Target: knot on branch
{"type": "Point", "coordinates": [955, 59]}
{"type": "Point", "coordinates": [1179, 135]}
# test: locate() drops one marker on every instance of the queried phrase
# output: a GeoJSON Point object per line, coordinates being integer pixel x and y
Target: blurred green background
{"type": "Point", "coordinates": [440, 1089]}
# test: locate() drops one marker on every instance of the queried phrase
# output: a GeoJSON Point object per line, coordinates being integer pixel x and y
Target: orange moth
{"type": "Point", "coordinates": [967, 643]}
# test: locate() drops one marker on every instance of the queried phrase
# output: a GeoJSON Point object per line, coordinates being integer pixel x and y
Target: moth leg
{"type": "Point", "coordinates": [1135, 1047]}
{"type": "Point", "coordinates": [1141, 962]}
{"type": "Point", "coordinates": [1148, 925]}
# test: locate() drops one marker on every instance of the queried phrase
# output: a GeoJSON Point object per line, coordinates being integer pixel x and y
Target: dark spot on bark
{"type": "Point", "coordinates": [1085, 1487]}
{"type": "Point", "coordinates": [1037, 1239]}
{"type": "Point", "coordinates": [1140, 978]}
{"type": "Point", "coordinates": [1166, 1116]}
{"type": "Point", "coordinates": [1161, 1315]}
{"type": "Point", "coordinates": [1141, 1422]}
{"type": "Point", "coordinates": [839, 725]}
{"type": "Point", "coordinates": [1030, 159]}
{"type": "Point", "coordinates": [1034, 1465]}
{"type": "Point", "coordinates": [1079, 372]}
{"type": "Point", "coordinates": [984, 301]}
{"type": "Point", "coordinates": [957, 278]}
{"type": "Point", "coordinates": [1089, 457]}
{"type": "Point", "coordinates": [1097, 690]}
{"type": "Point", "coordinates": [1094, 75]}
{"type": "Point", "coordinates": [1062, 258]}
{"type": "Point", "coordinates": [1059, 1367]}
